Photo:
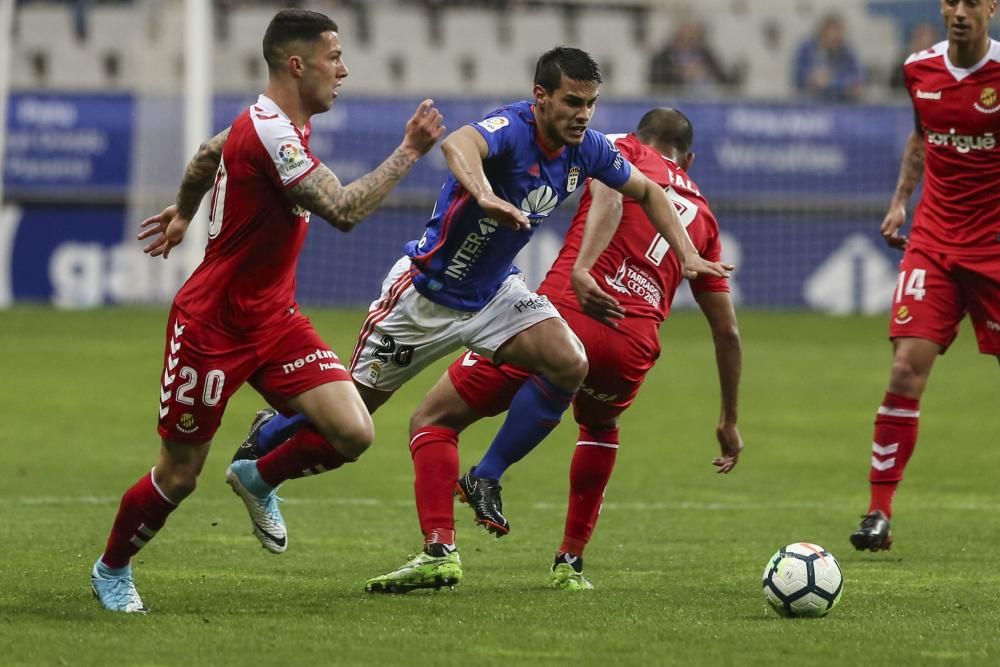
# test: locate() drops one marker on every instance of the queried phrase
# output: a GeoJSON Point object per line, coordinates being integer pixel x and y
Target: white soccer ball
{"type": "Point", "coordinates": [803, 579]}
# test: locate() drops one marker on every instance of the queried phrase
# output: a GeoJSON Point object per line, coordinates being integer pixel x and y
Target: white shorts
{"type": "Point", "coordinates": [405, 331]}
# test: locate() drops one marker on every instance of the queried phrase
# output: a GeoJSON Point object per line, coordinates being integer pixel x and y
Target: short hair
{"type": "Point", "coordinates": [290, 25]}
{"type": "Point", "coordinates": [565, 60]}
{"type": "Point", "coordinates": [668, 127]}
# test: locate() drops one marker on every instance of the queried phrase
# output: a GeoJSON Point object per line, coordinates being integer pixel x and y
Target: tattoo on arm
{"type": "Point", "coordinates": [345, 206]}
{"type": "Point", "coordinates": [199, 175]}
{"type": "Point", "coordinates": [912, 168]}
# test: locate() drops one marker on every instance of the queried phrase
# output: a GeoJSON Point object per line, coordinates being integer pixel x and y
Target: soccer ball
{"type": "Point", "coordinates": [803, 579]}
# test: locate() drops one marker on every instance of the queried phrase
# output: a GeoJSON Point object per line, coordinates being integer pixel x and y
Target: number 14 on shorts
{"type": "Point", "coordinates": [911, 285]}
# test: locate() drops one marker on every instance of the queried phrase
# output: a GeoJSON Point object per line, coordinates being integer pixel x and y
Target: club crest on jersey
{"type": "Point", "coordinates": [540, 202]}
{"type": "Point", "coordinates": [903, 315]}
{"type": "Point", "coordinates": [987, 101]}
{"type": "Point", "coordinates": [491, 125]}
{"type": "Point", "coordinates": [572, 179]}
{"type": "Point", "coordinates": [186, 424]}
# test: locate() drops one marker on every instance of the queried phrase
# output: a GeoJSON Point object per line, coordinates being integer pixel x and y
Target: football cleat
{"type": "Point", "coordinates": [483, 496]}
{"type": "Point", "coordinates": [438, 565]}
{"type": "Point", "coordinates": [567, 573]}
{"type": "Point", "coordinates": [268, 524]}
{"type": "Point", "coordinates": [249, 450]}
{"type": "Point", "coordinates": [874, 533]}
{"type": "Point", "coordinates": [116, 593]}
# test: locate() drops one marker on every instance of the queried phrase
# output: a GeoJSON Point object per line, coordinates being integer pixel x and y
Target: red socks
{"type": "Point", "coordinates": [892, 446]}
{"type": "Point", "coordinates": [435, 463]}
{"type": "Point", "coordinates": [593, 461]}
{"type": "Point", "coordinates": [142, 512]}
{"type": "Point", "coordinates": [305, 453]}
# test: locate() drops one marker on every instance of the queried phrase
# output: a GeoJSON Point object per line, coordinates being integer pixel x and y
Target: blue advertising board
{"type": "Point", "coordinates": [753, 161]}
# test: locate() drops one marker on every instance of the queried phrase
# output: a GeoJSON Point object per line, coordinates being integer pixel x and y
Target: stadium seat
{"type": "Point", "coordinates": [482, 64]}
{"type": "Point", "coordinates": [239, 60]}
{"type": "Point", "coordinates": [607, 36]}
{"type": "Point", "coordinates": [533, 31]}
{"type": "Point", "coordinates": [48, 53]}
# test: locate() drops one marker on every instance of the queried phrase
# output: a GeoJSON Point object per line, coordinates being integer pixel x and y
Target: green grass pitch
{"type": "Point", "coordinates": [676, 559]}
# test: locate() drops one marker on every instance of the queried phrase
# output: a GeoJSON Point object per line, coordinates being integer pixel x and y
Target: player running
{"type": "Point", "coordinates": [236, 320]}
{"type": "Point", "coordinates": [614, 301]}
{"type": "Point", "coordinates": [457, 287]}
{"type": "Point", "coordinates": [951, 262]}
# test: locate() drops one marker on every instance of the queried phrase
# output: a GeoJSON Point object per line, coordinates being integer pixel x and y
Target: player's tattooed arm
{"type": "Point", "coordinates": [199, 175]}
{"type": "Point", "coordinates": [911, 170]}
{"type": "Point", "coordinates": [345, 206]}
{"type": "Point", "coordinates": [602, 222]}
{"type": "Point", "coordinates": [166, 229]}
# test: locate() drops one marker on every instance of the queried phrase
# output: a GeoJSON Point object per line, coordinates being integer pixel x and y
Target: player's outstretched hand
{"type": "Point", "coordinates": [894, 220]}
{"type": "Point", "coordinates": [503, 212]}
{"type": "Point", "coordinates": [167, 227]}
{"type": "Point", "coordinates": [596, 302]}
{"type": "Point", "coordinates": [731, 444]}
{"type": "Point", "coordinates": [695, 265]}
{"type": "Point", "coordinates": [424, 128]}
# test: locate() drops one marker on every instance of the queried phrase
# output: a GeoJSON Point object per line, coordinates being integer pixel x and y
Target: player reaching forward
{"type": "Point", "coordinates": [236, 320]}
{"type": "Point", "coordinates": [457, 287]}
{"type": "Point", "coordinates": [622, 295]}
{"type": "Point", "coordinates": [951, 262]}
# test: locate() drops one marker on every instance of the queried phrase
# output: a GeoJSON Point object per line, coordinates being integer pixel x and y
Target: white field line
{"type": "Point", "coordinates": [35, 501]}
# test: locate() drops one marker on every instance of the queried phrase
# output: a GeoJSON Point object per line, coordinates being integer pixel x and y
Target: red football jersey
{"type": "Point", "coordinates": [246, 281]}
{"type": "Point", "coordinates": [637, 267]}
{"type": "Point", "coordinates": [959, 109]}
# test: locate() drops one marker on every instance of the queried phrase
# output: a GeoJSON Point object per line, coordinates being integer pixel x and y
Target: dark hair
{"type": "Point", "coordinates": [667, 127]}
{"type": "Point", "coordinates": [565, 60]}
{"type": "Point", "coordinates": [290, 25]}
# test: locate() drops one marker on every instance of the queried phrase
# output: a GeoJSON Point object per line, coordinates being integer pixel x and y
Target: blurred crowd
{"type": "Point", "coordinates": [700, 55]}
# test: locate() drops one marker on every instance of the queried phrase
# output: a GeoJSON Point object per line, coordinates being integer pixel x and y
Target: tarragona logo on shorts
{"type": "Point", "coordinates": [313, 357]}
{"type": "Point", "coordinates": [963, 143]}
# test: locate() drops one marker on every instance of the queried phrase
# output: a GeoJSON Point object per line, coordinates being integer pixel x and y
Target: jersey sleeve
{"type": "Point", "coordinates": [605, 161]}
{"type": "Point", "coordinates": [290, 159]}
{"type": "Point", "coordinates": [712, 251]}
{"type": "Point", "coordinates": [498, 130]}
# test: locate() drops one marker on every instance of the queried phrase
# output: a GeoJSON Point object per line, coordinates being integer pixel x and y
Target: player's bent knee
{"type": "Point", "coordinates": [177, 483]}
{"type": "Point", "coordinates": [568, 369]}
{"type": "Point", "coordinates": [354, 440]}
{"type": "Point", "coordinates": [906, 377]}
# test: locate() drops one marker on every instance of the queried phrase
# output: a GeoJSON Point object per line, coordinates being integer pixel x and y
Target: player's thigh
{"type": "Point", "coordinates": [619, 362]}
{"type": "Point", "coordinates": [485, 387]}
{"type": "Point", "coordinates": [980, 283]}
{"type": "Point", "coordinates": [299, 372]}
{"type": "Point", "coordinates": [443, 406]}
{"type": "Point", "coordinates": [402, 338]}
{"type": "Point", "coordinates": [521, 327]}
{"type": "Point", "coordinates": [927, 302]}
{"type": "Point", "coordinates": [202, 369]}
{"type": "Point", "coordinates": [336, 410]}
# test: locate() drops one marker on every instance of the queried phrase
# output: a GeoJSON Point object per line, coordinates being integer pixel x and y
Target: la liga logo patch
{"type": "Point", "coordinates": [289, 153]}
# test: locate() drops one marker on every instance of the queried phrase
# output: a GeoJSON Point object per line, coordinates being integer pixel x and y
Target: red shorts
{"type": "Point", "coordinates": [203, 367]}
{"type": "Point", "coordinates": [934, 292]}
{"type": "Point", "coordinates": [618, 360]}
